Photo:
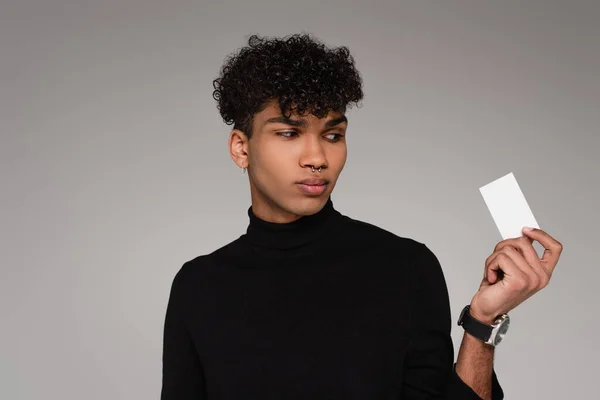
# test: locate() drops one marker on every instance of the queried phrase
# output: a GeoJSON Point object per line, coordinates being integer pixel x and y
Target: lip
{"type": "Point", "coordinates": [314, 187]}
{"type": "Point", "coordinates": [313, 182]}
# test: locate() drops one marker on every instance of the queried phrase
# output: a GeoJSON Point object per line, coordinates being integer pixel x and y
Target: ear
{"type": "Point", "coordinates": [238, 148]}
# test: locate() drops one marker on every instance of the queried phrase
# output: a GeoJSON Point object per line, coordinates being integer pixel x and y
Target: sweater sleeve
{"type": "Point", "coordinates": [182, 374]}
{"type": "Point", "coordinates": [429, 369]}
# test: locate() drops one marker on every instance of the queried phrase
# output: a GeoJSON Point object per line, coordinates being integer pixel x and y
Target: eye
{"type": "Point", "coordinates": [287, 134]}
{"type": "Point", "coordinates": [336, 137]}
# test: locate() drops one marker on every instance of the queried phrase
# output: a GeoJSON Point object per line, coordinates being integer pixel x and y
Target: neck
{"type": "Point", "coordinates": [269, 211]}
{"type": "Point", "coordinates": [302, 235]}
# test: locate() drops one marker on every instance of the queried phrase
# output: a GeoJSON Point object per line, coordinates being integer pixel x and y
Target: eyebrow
{"type": "Point", "coordinates": [302, 123]}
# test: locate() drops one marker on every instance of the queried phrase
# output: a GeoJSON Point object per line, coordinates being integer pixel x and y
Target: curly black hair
{"type": "Point", "coordinates": [298, 71]}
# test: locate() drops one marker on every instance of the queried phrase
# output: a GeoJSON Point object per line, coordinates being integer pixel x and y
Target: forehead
{"type": "Point", "coordinates": [272, 111]}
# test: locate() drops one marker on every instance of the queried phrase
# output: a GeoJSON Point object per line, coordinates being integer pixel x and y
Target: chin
{"type": "Point", "coordinates": [309, 205]}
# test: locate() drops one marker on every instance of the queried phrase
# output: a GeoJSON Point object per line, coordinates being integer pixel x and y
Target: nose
{"type": "Point", "coordinates": [313, 154]}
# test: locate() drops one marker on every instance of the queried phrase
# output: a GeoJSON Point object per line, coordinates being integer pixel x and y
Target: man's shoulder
{"type": "Point", "coordinates": [206, 262]}
{"type": "Point", "coordinates": [377, 236]}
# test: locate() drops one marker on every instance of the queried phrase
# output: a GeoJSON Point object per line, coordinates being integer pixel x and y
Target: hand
{"type": "Point", "coordinates": [513, 273]}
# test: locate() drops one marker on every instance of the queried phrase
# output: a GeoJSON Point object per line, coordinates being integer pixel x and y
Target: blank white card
{"type": "Point", "coordinates": [508, 206]}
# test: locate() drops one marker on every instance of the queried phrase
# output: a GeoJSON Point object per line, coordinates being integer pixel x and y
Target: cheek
{"type": "Point", "coordinates": [271, 164]}
{"type": "Point", "coordinates": [337, 158]}
{"type": "Point", "coordinates": [268, 155]}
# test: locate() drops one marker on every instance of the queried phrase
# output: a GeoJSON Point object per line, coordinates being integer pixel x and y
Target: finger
{"type": "Point", "coordinates": [515, 257]}
{"type": "Point", "coordinates": [500, 263]}
{"type": "Point", "coordinates": [534, 276]}
{"type": "Point", "coordinates": [525, 246]}
{"type": "Point", "coordinates": [502, 244]}
{"type": "Point", "coordinates": [488, 274]}
{"type": "Point", "coordinates": [492, 274]}
{"type": "Point", "coordinates": [553, 248]}
{"type": "Point", "coordinates": [522, 243]}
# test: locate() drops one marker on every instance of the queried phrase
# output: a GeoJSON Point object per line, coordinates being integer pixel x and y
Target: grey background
{"type": "Point", "coordinates": [115, 168]}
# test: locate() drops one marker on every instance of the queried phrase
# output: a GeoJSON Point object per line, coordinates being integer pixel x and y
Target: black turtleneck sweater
{"type": "Point", "coordinates": [325, 307]}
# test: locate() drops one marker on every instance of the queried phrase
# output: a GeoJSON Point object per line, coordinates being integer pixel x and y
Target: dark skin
{"type": "Point", "coordinates": [523, 274]}
{"type": "Point", "coordinates": [282, 153]}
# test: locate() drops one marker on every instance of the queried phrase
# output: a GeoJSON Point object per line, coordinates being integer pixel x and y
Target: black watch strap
{"type": "Point", "coordinates": [473, 326]}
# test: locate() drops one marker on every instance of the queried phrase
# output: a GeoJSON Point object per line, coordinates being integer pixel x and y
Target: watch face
{"type": "Point", "coordinates": [501, 331]}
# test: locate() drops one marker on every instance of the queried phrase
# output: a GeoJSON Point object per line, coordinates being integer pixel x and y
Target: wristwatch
{"type": "Point", "coordinates": [491, 335]}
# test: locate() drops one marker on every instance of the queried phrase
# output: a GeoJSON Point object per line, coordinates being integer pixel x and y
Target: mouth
{"type": "Point", "coordinates": [313, 182]}
{"type": "Point", "coordinates": [313, 186]}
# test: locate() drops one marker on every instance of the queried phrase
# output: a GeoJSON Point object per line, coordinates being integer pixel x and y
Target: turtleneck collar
{"type": "Point", "coordinates": [300, 236]}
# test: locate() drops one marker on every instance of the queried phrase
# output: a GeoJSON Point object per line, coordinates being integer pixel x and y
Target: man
{"type": "Point", "coordinates": [309, 303]}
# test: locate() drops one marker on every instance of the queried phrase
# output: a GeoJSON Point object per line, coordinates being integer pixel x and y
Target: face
{"type": "Point", "coordinates": [280, 157]}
